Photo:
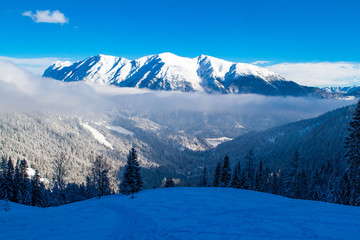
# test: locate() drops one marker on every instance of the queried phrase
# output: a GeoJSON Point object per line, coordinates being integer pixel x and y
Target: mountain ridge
{"type": "Point", "coordinates": [169, 72]}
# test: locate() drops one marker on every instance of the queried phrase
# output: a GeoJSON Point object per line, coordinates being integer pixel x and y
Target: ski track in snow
{"type": "Point", "coordinates": [184, 213]}
{"type": "Point", "coordinates": [97, 135]}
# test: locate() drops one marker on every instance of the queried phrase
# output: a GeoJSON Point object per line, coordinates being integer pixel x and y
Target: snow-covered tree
{"type": "Point", "coordinates": [3, 172]}
{"type": "Point", "coordinates": [36, 191]}
{"type": "Point", "coordinates": [99, 174]}
{"type": "Point", "coordinates": [132, 180]}
{"type": "Point", "coordinates": [169, 182]}
{"type": "Point", "coordinates": [352, 145]}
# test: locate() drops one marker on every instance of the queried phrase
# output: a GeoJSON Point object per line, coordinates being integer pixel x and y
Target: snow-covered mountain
{"type": "Point", "coordinates": [349, 91]}
{"type": "Point", "coordinates": [170, 72]}
{"type": "Point", "coordinates": [318, 141]}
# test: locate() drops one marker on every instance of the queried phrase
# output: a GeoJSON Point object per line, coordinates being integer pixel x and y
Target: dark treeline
{"type": "Point", "coordinates": [330, 182]}
{"type": "Point", "coordinates": [17, 186]}
{"type": "Point", "coordinates": [327, 183]}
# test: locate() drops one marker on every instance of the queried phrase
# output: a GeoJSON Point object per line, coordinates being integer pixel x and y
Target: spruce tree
{"type": "Point", "coordinates": [3, 171]}
{"type": "Point", "coordinates": [225, 173]}
{"type": "Point", "coordinates": [236, 180]}
{"type": "Point", "coordinates": [259, 181]}
{"type": "Point", "coordinates": [352, 145]}
{"type": "Point", "coordinates": [217, 176]}
{"type": "Point", "coordinates": [250, 172]}
{"type": "Point", "coordinates": [204, 181]}
{"type": "Point", "coordinates": [132, 181]}
{"type": "Point", "coordinates": [37, 191]}
{"type": "Point", "coordinates": [169, 182]}
{"type": "Point", "coordinates": [291, 181]}
{"type": "Point", "coordinates": [10, 180]}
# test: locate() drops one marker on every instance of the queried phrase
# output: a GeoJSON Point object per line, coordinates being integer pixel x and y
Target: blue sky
{"type": "Point", "coordinates": [276, 30]}
{"type": "Point", "coordinates": [311, 42]}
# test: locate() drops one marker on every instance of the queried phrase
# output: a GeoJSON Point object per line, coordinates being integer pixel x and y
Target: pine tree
{"type": "Point", "coordinates": [90, 188]}
{"type": "Point", "coordinates": [10, 180]}
{"type": "Point", "coordinates": [24, 186]}
{"type": "Point", "coordinates": [132, 181]}
{"type": "Point", "coordinates": [169, 182]}
{"type": "Point", "coordinates": [3, 171]}
{"type": "Point", "coordinates": [225, 173]}
{"type": "Point", "coordinates": [291, 181]}
{"type": "Point", "coordinates": [250, 172]}
{"type": "Point", "coordinates": [344, 190]}
{"type": "Point", "coordinates": [216, 182]}
{"type": "Point", "coordinates": [259, 181]}
{"type": "Point", "coordinates": [236, 181]}
{"type": "Point", "coordinates": [37, 191]}
{"type": "Point", "coordinates": [204, 181]}
{"type": "Point", "coordinates": [352, 144]}
{"type": "Point", "coordinates": [303, 185]}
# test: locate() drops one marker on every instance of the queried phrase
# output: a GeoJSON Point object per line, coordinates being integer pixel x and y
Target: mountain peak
{"type": "Point", "coordinates": [169, 72]}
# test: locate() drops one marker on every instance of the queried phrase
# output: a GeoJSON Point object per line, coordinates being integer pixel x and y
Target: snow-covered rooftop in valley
{"type": "Point", "coordinates": [184, 213]}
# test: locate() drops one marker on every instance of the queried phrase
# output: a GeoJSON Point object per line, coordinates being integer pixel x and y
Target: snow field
{"type": "Point", "coordinates": [184, 213]}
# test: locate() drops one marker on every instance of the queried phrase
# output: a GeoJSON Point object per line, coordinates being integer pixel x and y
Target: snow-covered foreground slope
{"type": "Point", "coordinates": [184, 213]}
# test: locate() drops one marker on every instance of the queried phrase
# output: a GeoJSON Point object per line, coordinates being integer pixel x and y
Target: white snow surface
{"type": "Point", "coordinates": [184, 213]}
{"type": "Point", "coordinates": [216, 141]}
{"type": "Point", "coordinates": [97, 135]}
{"type": "Point", "coordinates": [120, 130]}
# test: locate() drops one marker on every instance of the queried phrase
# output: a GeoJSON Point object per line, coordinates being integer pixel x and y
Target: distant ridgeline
{"type": "Point", "coordinates": [169, 72]}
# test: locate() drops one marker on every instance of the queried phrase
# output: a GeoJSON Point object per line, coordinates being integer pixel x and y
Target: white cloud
{"type": "Point", "coordinates": [36, 66]}
{"type": "Point", "coordinates": [320, 74]}
{"type": "Point", "coordinates": [47, 16]}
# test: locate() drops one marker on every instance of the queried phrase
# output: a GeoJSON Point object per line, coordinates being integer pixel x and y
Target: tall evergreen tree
{"type": "Point", "coordinates": [204, 178]}
{"type": "Point", "coordinates": [24, 186]}
{"type": "Point", "coordinates": [291, 181]}
{"type": "Point", "coordinates": [225, 172]}
{"type": "Point", "coordinates": [250, 171]}
{"type": "Point", "coordinates": [169, 182]}
{"type": "Point", "coordinates": [10, 180]}
{"type": "Point", "coordinates": [303, 185]}
{"type": "Point", "coordinates": [3, 172]}
{"type": "Point", "coordinates": [216, 182]}
{"type": "Point", "coordinates": [259, 180]}
{"type": "Point", "coordinates": [236, 180]}
{"type": "Point", "coordinates": [132, 181]}
{"type": "Point", "coordinates": [37, 191]}
{"type": "Point", "coordinates": [352, 144]}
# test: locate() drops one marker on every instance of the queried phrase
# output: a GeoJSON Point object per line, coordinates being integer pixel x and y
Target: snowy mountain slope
{"type": "Point", "coordinates": [343, 90]}
{"type": "Point", "coordinates": [352, 91]}
{"type": "Point", "coordinates": [318, 140]}
{"type": "Point", "coordinates": [40, 138]}
{"type": "Point", "coordinates": [170, 72]}
{"type": "Point", "coordinates": [200, 213]}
